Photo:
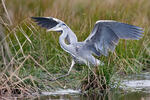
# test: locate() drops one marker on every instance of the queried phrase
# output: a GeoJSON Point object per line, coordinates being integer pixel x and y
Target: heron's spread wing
{"type": "Point", "coordinates": [45, 22]}
{"type": "Point", "coordinates": [106, 34]}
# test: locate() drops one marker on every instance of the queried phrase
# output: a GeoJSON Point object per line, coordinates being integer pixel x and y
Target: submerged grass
{"type": "Point", "coordinates": [37, 56]}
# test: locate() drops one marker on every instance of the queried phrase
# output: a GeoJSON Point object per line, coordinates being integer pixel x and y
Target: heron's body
{"type": "Point", "coordinates": [77, 49]}
{"type": "Point", "coordinates": [104, 38]}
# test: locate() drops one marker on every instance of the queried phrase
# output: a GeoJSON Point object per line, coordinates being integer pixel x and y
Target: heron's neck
{"type": "Point", "coordinates": [62, 42]}
{"type": "Point", "coordinates": [71, 37]}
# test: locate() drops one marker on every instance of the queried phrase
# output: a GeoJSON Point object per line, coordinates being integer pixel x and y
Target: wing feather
{"type": "Point", "coordinates": [106, 34]}
{"type": "Point", "coordinates": [45, 22]}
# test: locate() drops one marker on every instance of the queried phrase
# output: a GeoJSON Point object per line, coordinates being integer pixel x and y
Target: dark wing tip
{"type": "Point", "coordinates": [37, 18]}
{"type": "Point", "coordinates": [138, 32]}
{"type": "Point", "coordinates": [34, 18]}
{"type": "Point", "coordinates": [40, 19]}
{"type": "Point", "coordinates": [45, 22]}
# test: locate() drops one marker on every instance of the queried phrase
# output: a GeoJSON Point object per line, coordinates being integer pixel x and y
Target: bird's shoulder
{"type": "Point", "coordinates": [78, 46]}
{"type": "Point", "coordinates": [103, 21]}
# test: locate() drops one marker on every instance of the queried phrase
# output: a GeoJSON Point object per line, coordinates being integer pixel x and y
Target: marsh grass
{"type": "Point", "coordinates": [37, 56]}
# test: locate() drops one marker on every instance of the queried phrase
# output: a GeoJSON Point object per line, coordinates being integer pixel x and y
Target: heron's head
{"type": "Point", "coordinates": [51, 24]}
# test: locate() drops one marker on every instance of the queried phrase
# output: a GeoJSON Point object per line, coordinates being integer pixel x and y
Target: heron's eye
{"type": "Point", "coordinates": [63, 24]}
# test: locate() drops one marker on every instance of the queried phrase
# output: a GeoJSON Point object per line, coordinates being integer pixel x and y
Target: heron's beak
{"type": "Point", "coordinates": [54, 29]}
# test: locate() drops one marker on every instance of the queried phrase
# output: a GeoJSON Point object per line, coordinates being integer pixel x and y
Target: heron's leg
{"type": "Point", "coordinates": [88, 64]}
{"type": "Point", "coordinates": [72, 64]}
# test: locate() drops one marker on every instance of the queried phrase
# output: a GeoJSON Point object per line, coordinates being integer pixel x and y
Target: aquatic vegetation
{"type": "Point", "coordinates": [36, 57]}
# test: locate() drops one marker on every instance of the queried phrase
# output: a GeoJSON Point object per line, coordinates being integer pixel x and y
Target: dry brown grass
{"type": "Point", "coordinates": [21, 44]}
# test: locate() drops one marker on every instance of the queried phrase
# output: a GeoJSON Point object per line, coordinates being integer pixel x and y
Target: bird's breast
{"type": "Point", "coordinates": [79, 60]}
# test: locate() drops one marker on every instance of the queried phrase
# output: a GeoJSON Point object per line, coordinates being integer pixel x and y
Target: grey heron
{"type": "Point", "coordinates": [103, 38]}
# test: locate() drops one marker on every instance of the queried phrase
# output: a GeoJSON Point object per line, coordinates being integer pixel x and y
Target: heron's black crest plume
{"type": "Point", "coordinates": [45, 22]}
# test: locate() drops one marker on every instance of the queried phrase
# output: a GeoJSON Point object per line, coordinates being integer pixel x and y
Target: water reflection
{"type": "Point", "coordinates": [135, 96]}
{"type": "Point", "coordinates": [134, 87]}
{"type": "Point", "coordinates": [112, 95]}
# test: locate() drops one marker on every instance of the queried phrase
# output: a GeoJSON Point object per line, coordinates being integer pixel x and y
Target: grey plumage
{"type": "Point", "coordinates": [106, 34]}
{"type": "Point", "coordinates": [45, 22]}
{"type": "Point", "coordinates": [104, 38]}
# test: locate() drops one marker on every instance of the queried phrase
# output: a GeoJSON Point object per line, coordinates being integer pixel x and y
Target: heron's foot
{"type": "Point", "coordinates": [100, 63]}
{"type": "Point", "coordinates": [59, 77]}
{"type": "Point", "coordinates": [72, 64]}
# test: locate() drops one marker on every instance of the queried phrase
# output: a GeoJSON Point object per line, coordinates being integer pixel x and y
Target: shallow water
{"type": "Point", "coordinates": [132, 87]}
{"type": "Point", "coordinates": [136, 83]}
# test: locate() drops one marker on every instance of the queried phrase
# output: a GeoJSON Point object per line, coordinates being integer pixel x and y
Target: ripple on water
{"type": "Point", "coordinates": [136, 83]}
{"type": "Point", "coordinates": [62, 92]}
